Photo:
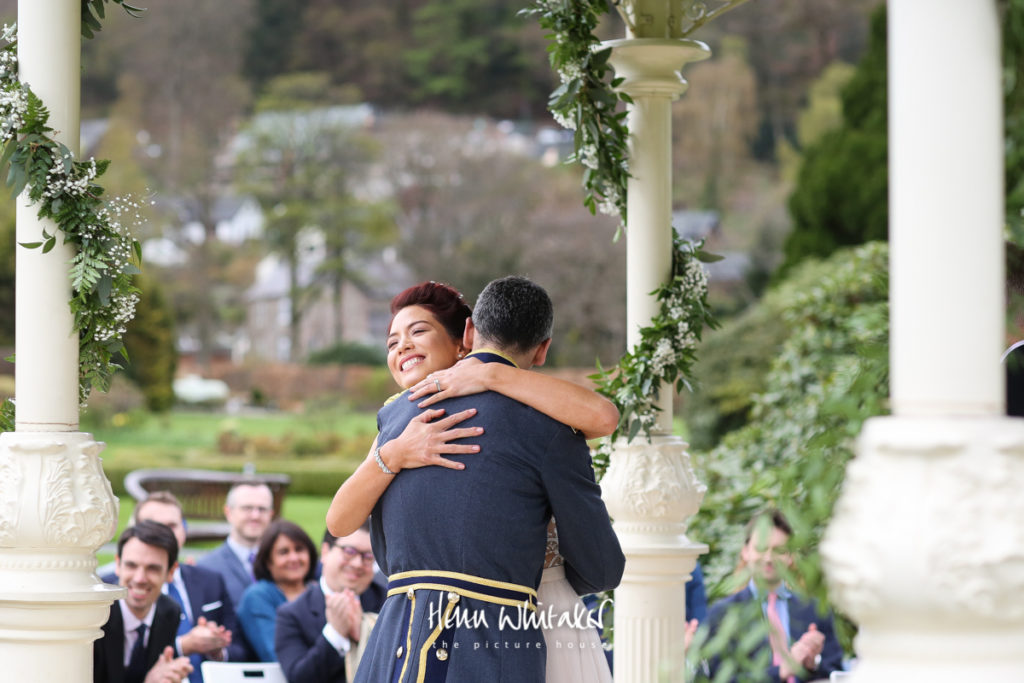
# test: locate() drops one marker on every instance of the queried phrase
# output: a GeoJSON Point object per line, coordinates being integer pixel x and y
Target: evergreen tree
{"type": "Point", "coordinates": [841, 197]}
{"type": "Point", "coordinates": [150, 346]}
{"type": "Point", "coordinates": [1013, 82]}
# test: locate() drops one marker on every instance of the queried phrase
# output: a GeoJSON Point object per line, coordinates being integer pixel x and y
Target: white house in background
{"type": "Point", "coordinates": [237, 218]}
{"type": "Point", "coordinates": [362, 311]}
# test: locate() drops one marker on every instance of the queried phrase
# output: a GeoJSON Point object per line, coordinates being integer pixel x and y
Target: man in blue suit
{"type": "Point", "coordinates": [207, 615]}
{"type": "Point", "coordinates": [319, 633]}
{"type": "Point", "coordinates": [802, 641]}
{"type": "Point", "coordinates": [248, 509]}
{"type": "Point", "coordinates": [464, 549]}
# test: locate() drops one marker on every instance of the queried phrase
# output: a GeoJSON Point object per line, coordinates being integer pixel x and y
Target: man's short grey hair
{"type": "Point", "coordinates": [232, 496]}
{"type": "Point", "coordinates": [513, 313]}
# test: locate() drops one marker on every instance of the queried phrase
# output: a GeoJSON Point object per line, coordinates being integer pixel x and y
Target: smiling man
{"type": "Point", "coordinates": [249, 510]}
{"type": "Point", "coordinates": [138, 638]}
{"type": "Point", "coordinates": [323, 628]}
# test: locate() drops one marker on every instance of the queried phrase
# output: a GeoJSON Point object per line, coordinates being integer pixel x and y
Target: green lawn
{"type": "Point", "coordinates": [317, 450]}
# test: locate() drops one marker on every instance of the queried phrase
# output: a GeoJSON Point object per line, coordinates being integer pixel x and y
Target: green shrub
{"type": "Point", "coordinates": [348, 353]}
{"type": "Point", "coordinates": [830, 375]}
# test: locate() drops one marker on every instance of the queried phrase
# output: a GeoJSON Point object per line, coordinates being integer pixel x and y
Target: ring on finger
{"type": "Point", "coordinates": [437, 384]}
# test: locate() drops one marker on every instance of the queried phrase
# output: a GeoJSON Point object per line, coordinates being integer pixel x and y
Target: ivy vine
{"type": "Point", "coordinates": [106, 256]}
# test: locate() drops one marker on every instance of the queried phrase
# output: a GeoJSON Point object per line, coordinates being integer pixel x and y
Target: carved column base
{"type": "Point", "coordinates": [926, 549]}
{"type": "Point", "coordinates": [56, 510]}
{"type": "Point", "coordinates": [651, 491]}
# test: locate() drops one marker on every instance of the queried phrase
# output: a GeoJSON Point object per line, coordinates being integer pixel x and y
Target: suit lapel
{"type": "Point", "coordinates": [237, 568]}
{"type": "Point", "coordinates": [195, 599]}
{"type": "Point", "coordinates": [113, 644]}
{"type": "Point", "coordinates": [165, 628]}
{"type": "Point", "coordinates": [317, 605]}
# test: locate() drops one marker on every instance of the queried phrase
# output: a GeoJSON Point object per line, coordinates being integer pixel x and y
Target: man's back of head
{"type": "Point", "coordinates": [512, 314]}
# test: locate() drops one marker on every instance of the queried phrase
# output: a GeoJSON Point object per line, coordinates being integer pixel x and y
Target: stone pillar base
{"type": "Point", "coordinates": [926, 549]}
{"type": "Point", "coordinates": [651, 490]}
{"type": "Point", "coordinates": [56, 510]}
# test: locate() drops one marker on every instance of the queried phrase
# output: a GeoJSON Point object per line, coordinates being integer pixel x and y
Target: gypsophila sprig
{"type": "Point", "coordinates": [64, 189]}
{"type": "Point", "coordinates": [666, 351]}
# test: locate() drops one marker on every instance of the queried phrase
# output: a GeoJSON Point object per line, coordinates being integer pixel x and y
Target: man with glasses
{"type": "Point", "coordinates": [318, 635]}
{"type": "Point", "coordinates": [249, 510]}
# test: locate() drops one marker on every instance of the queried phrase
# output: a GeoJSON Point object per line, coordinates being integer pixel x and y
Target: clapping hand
{"type": "Point", "coordinates": [207, 638]}
{"type": "Point", "coordinates": [344, 613]}
{"type": "Point", "coordinates": [168, 668]}
{"type": "Point", "coordinates": [805, 652]}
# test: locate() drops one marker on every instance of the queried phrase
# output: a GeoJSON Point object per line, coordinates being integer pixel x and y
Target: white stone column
{"type": "Point", "coordinates": [650, 488]}
{"type": "Point", "coordinates": [56, 506]}
{"type": "Point", "coordinates": [925, 549]}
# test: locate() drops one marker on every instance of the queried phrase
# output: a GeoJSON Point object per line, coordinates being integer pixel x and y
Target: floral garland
{"type": "Point", "coordinates": [666, 351]}
{"type": "Point", "coordinates": [106, 256]}
{"type": "Point", "coordinates": [587, 102]}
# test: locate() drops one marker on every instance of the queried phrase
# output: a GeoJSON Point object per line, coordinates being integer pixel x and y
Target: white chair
{"type": "Point", "coordinates": [242, 672]}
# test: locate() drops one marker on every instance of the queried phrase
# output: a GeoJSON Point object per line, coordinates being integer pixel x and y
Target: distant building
{"type": "Point", "coordinates": [361, 312]}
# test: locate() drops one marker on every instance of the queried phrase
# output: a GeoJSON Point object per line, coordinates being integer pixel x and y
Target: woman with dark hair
{"type": "Point", "coordinates": [285, 562]}
{"type": "Point", "coordinates": [426, 357]}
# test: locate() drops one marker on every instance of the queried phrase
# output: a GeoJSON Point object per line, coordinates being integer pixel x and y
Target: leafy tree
{"type": "Point", "coordinates": [714, 125]}
{"type": "Point", "coordinates": [470, 210]}
{"type": "Point", "coordinates": [1013, 108]}
{"type": "Point", "coordinates": [150, 343]}
{"type": "Point", "coordinates": [359, 44]}
{"type": "Point", "coordinates": [465, 56]}
{"type": "Point", "coordinates": [272, 39]}
{"type": "Point", "coordinates": [301, 168]}
{"type": "Point", "coordinates": [841, 197]}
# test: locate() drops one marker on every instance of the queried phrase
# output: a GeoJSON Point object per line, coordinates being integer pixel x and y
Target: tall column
{"type": "Point", "coordinates": [650, 488]}
{"type": "Point", "coordinates": [924, 551]}
{"type": "Point", "coordinates": [56, 506]}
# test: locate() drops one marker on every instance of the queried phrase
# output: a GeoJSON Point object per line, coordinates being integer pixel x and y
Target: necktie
{"type": "Point", "coordinates": [136, 670]}
{"type": "Point", "coordinates": [252, 557]}
{"type": "Point", "coordinates": [184, 626]}
{"type": "Point", "coordinates": [777, 634]}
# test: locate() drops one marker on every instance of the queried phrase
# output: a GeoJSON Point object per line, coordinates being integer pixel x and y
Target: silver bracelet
{"type": "Point", "coordinates": [380, 461]}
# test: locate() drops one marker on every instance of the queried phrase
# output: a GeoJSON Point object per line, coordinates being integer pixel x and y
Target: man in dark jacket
{"type": "Point", "coordinates": [138, 638]}
{"type": "Point", "coordinates": [321, 631]}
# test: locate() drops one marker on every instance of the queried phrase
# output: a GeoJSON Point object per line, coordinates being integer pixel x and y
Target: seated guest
{"type": "Point", "coordinates": [284, 564]}
{"type": "Point", "coordinates": [249, 509]}
{"type": "Point", "coordinates": [207, 613]}
{"type": "Point", "coordinates": [137, 645]}
{"type": "Point", "coordinates": [318, 635]}
{"type": "Point", "coordinates": [802, 641]}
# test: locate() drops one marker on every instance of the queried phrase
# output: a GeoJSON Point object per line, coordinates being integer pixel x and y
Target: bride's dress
{"type": "Point", "coordinates": [574, 651]}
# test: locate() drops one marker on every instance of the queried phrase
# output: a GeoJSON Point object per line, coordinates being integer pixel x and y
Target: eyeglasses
{"type": "Point", "coordinates": [351, 553]}
{"type": "Point", "coordinates": [249, 509]}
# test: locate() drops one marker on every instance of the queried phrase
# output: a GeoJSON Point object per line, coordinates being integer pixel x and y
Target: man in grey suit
{"type": "Point", "coordinates": [248, 509]}
{"type": "Point", "coordinates": [464, 549]}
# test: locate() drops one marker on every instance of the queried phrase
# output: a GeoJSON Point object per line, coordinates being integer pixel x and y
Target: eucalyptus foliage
{"type": "Point", "coordinates": [64, 190]}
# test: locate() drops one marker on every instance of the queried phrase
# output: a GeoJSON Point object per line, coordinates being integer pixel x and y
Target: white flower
{"type": "Point", "coordinates": [565, 120]}
{"type": "Point", "coordinates": [587, 155]}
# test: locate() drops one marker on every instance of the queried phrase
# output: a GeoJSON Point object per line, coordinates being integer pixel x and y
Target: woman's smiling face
{"type": "Point", "coordinates": [418, 345]}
